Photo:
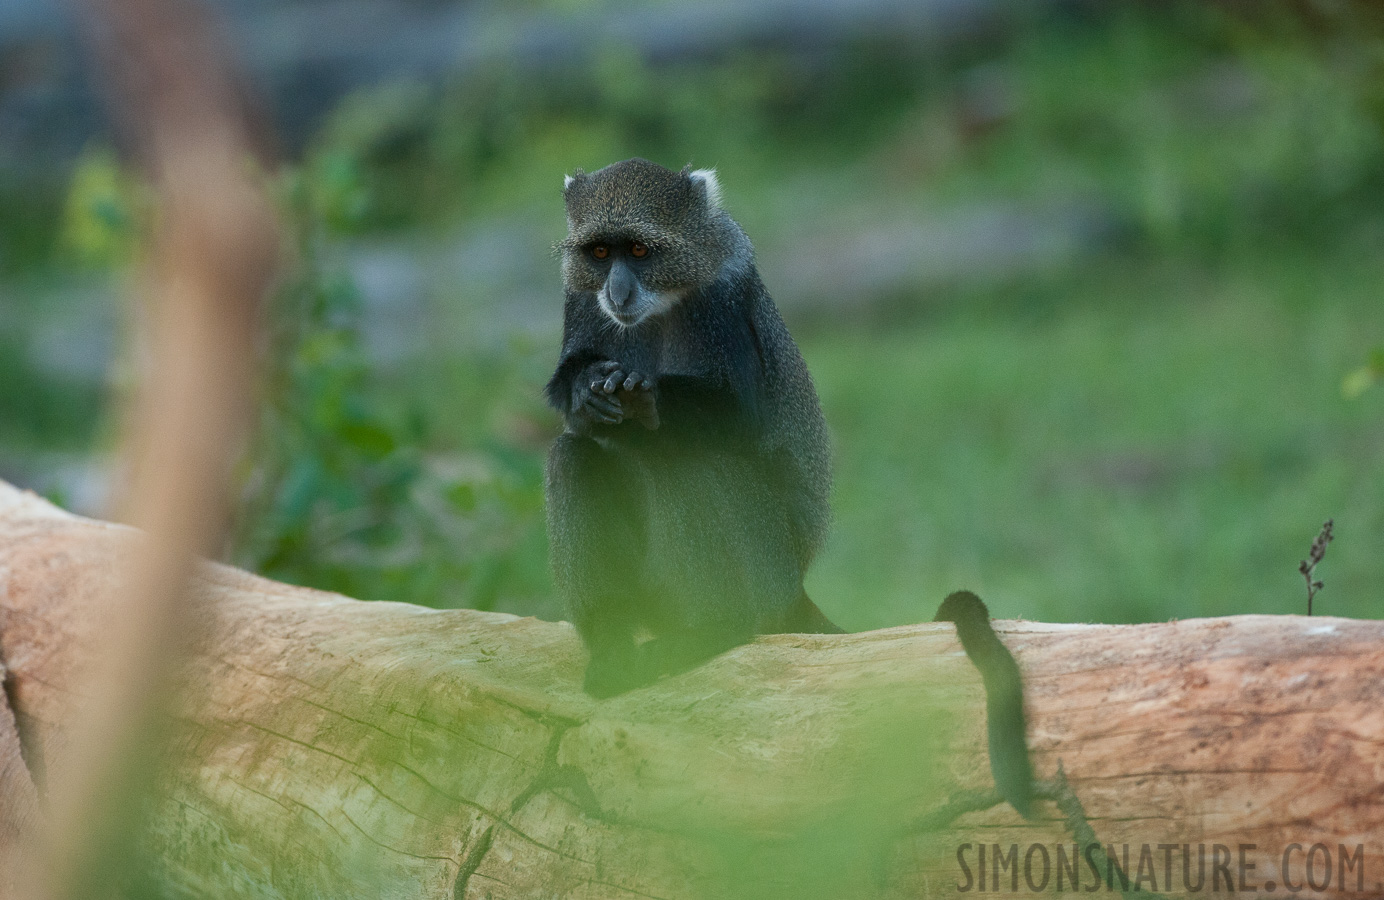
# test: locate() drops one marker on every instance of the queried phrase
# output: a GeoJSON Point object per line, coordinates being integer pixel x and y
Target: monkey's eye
{"type": "Point", "coordinates": [638, 250]}
{"type": "Point", "coordinates": [600, 251]}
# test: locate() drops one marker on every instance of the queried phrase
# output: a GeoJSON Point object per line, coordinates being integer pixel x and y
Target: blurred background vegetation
{"type": "Point", "coordinates": [1090, 291]}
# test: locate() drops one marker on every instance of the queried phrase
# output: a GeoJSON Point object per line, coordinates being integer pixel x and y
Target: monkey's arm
{"type": "Point", "coordinates": [707, 408]}
{"type": "Point", "coordinates": [586, 356]}
{"type": "Point", "coordinates": [589, 389]}
{"type": "Point", "coordinates": [572, 393]}
{"type": "Point", "coordinates": [633, 391]}
{"type": "Point", "coordinates": [715, 392]}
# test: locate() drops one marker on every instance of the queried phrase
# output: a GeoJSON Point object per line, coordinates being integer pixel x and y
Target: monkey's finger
{"type": "Point", "coordinates": [634, 382]}
{"type": "Point", "coordinates": [605, 415]}
{"type": "Point", "coordinates": [605, 368]}
{"type": "Point", "coordinates": [612, 384]}
{"type": "Point", "coordinates": [647, 384]}
{"type": "Point", "coordinates": [607, 405]}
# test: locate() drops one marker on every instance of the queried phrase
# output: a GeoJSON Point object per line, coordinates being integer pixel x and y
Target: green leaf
{"type": "Point", "coordinates": [99, 218]}
{"type": "Point", "coordinates": [368, 437]}
{"type": "Point", "coordinates": [462, 495]}
{"type": "Point", "coordinates": [1363, 378]}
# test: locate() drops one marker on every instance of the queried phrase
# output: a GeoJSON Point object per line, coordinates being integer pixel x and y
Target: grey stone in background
{"type": "Point", "coordinates": [306, 54]}
{"type": "Point", "coordinates": [475, 289]}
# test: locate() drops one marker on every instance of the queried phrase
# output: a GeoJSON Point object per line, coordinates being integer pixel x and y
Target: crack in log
{"type": "Point", "coordinates": [472, 862]}
{"type": "Point", "coordinates": [395, 710]}
{"type": "Point", "coordinates": [28, 735]}
{"type": "Point", "coordinates": [382, 845]}
{"type": "Point", "coordinates": [281, 803]}
{"type": "Point", "coordinates": [201, 812]}
{"type": "Point", "coordinates": [489, 813]}
{"type": "Point", "coordinates": [292, 740]}
{"type": "Point", "coordinates": [25, 728]}
{"type": "Point", "coordinates": [349, 718]}
{"type": "Point", "coordinates": [1169, 773]}
{"type": "Point", "coordinates": [417, 815]}
{"type": "Point", "coordinates": [1199, 722]}
{"type": "Point", "coordinates": [478, 807]}
{"type": "Point", "coordinates": [284, 676]}
{"type": "Point", "coordinates": [532, 714]}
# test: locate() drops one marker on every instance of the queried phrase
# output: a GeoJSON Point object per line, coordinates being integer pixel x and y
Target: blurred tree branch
{"type": "Point", "coordinates": [178, 106]}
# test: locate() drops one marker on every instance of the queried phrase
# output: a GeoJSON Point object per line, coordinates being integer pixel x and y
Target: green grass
{"type": "Point", "coordinates": [1164, 444]}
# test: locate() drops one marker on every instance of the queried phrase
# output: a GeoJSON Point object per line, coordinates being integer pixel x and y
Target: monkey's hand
{"type": "Point", "coordinates": [635, 394]}
{"type": "Point", "coordinates": [591, 403]}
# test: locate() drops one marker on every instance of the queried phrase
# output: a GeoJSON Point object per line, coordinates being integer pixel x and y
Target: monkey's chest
{"type": "Point", "coordinates": [680, 348]}
{"type": "Point", "coordinates": [667, 346]}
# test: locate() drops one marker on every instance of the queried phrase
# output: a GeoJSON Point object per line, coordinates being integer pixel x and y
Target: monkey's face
{"type": "Point", "coordinates": [625, 275]}
{"type": "Point", "coordinates": [640, 237]}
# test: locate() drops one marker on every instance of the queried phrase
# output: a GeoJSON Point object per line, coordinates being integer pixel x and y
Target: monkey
{"type": "Point", "coordinates": [689, 490]}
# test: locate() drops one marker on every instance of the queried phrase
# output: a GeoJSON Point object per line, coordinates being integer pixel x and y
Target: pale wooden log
{"type": "Point", "coordinates": [19, 816]}
{"type": "Point", "coordinates": [335, 748]}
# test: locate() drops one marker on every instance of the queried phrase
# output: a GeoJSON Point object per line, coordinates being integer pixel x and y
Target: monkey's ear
{"type": "Point", "coordinates": [710, 187]}
{"type": "Point", "coordinates": [569, 180]}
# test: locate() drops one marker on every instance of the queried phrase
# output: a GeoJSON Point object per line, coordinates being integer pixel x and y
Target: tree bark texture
{"type": "Point", "coordinates": [327, 747]}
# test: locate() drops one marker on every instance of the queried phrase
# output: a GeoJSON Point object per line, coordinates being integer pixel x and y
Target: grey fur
{"type": "Point", "coordinates": [689, 493]}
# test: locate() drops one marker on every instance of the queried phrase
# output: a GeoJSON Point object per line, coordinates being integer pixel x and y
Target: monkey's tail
{"type": "Point", "coordinates": [1004, 697]}
{"type": "Point", "coordinates": [809, 619]}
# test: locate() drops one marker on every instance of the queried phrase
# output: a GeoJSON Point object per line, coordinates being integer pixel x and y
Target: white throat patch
{"type": "Point", "coordinates": [646, 304]}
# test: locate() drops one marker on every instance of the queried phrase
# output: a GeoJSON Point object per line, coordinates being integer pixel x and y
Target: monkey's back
{"type": "Point", "coordinates": [733, 329]}
{"type": "Point", "coordinates": [794, 420]}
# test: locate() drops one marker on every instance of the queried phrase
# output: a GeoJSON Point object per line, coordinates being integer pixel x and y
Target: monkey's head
{"type": "Point", "coordinates": [641, 237]}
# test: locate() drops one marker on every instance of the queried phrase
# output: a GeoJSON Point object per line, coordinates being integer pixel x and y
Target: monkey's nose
{"type": "Point", "coordinates": [620, 286]}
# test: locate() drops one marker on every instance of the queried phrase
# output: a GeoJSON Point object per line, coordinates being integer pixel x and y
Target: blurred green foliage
{"type": "Point", "coordinates": [1365, 377]}
{"type": "Point", "coordinates": [1153, 427]}
{"type": "Point", "coordinates": [40, 410]}
{"type": "Point", "coordinates": [343, 489]}
{"type": "Point", "coordinates": [1203, 130]}
{"type": "Point", "coordinates": [102, 218]}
